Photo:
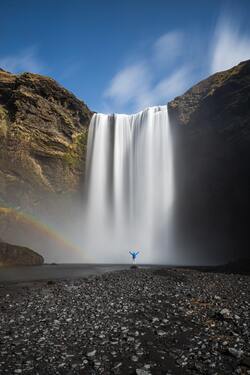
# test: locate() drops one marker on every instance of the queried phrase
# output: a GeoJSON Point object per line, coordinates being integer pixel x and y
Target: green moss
{"type": "Point", "coordinates": [75, 158]}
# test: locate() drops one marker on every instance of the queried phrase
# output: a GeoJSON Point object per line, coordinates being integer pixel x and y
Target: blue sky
{"type": "Point", "coordinates": [122, 56]}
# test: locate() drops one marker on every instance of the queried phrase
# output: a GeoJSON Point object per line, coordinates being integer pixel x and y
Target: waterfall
{"type": "Point", "coordinates": [129, 186]}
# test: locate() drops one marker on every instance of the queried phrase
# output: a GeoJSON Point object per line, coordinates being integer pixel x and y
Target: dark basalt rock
{"type": "Point", "coordinates": [134, 267]}
{"type": "Point", "coordinates": [211, 134]}
{"type": "Point", "coordinates": [12, 255]}
{"type": "Point", "coordinates": [239, 266]}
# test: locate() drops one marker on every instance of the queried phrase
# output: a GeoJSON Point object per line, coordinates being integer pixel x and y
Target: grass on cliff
{"type": "Point", "coordinates": [76, 156]}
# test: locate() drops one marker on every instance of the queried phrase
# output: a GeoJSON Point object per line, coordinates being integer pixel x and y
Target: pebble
{"type": "Point", "coordinates": [142, 372]}
{"type": "Point", "coordinates": [140, 321]}
{"type": "Point", "coordinates": [134, 358]}
{"type": "Point", "coordinates": [91, 354]}
{"type": "Point", "coordinates": [161, 333]}
{"type": "Point", "coordinates": [225, 313]}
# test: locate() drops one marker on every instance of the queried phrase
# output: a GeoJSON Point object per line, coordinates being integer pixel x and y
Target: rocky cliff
{"type": "Point", "coordinates": [211, 132]}
{"type": "Point", "coordinates": [12, 255]}
{"type": "Point", "coordinates": [43, 136]}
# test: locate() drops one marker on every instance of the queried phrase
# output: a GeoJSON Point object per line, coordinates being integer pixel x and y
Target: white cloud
{"type": "Point", "coordinates": [143, 84]}
{"type": "Point", "coordinates": [166, 89]}
{"type": "Point", "coordinates": [24, 61]}
{"type": "Point", "coordinates": [230, 46]}
{"type": "Point", "coordinates": [173, 63]}
{"type": "Point", "coordinates": [173, 84]}
{"type": "Point", "coordinates": [168, 47]}
{"type": "Point", "coordinates": [128, 84]}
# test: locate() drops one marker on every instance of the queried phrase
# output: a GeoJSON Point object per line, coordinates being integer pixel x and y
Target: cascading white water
{"type": "Point", "coordinates": [129, 186]}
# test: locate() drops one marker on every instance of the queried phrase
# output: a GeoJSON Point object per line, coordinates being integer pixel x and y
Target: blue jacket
{"type": "Point", "coordinates": [134, 254]}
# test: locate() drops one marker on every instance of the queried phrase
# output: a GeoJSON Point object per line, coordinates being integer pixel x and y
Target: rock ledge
{"type": "Point", "coordinates": [12, 255]}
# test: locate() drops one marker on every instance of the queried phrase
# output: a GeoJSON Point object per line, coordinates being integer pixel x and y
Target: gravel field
{"type": "Point", "coordinates": [141, 321]}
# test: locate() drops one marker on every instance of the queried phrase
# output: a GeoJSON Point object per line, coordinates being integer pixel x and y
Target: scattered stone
{"type": "Point", "coordinates": [101, 325]}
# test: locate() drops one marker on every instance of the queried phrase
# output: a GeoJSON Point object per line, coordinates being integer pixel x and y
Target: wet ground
{"type": "Point", "coordinates": [144, 321]}
{"type": "Point", "coordinates": [55, 271]}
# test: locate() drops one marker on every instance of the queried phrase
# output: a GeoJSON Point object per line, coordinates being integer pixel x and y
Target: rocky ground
{"type": "Point", "coordinates": [145, 321]}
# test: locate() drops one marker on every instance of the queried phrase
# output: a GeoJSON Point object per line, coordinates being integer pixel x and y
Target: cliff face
{"type": "Point", "coordinates": [211, 133]}
{"type": "Point", "coordinates": [43, 136]}
{"type": "Point", "coordinates": [12, 255]}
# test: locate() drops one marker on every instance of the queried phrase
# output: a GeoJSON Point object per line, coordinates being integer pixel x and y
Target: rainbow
{"type": "Point", "coordinates": [39, 226]}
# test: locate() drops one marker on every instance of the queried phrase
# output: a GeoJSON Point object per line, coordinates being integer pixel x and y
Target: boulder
{"type": "Point", "coordinates": [12, 255]}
